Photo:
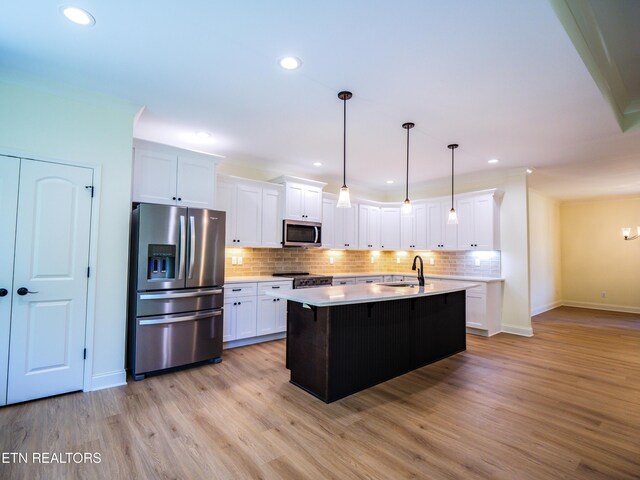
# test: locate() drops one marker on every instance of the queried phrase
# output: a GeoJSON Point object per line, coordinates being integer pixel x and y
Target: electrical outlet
{"type": "Point", "coordinates": [432, 261]}
{"type": "Point", "coordinates": [373, 259]}
{"type": "Point", "coordinates": [239, 260]}
{"type": "Point", "coordinates": [234, 260]}
{"type": "Point", "coordinates": [330, 260]}
{"type": "Point", "coordinates": [603, 294]}
{"type": "Point", "coordinates": [477, 262]}
{"type": "Point", "coordinates": [397, 259]}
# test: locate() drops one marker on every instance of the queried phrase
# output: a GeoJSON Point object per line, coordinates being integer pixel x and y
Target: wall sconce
{"type": "Point", "coordinates": [626, 233]}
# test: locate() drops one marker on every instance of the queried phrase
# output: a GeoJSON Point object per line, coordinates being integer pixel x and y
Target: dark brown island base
{"type": "Point", "coordinates": [336, 350]}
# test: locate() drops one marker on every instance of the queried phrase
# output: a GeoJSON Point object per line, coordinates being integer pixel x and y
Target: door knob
{"type": "Point", "coordinates": [23, 291]}
{"type": "Point", "coordinates": [3, 292]}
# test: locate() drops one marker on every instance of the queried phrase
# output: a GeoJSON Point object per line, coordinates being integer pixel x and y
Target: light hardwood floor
{"type": "Point", "coordinates": [564, 404]}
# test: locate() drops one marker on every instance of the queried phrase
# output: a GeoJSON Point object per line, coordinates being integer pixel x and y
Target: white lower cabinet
{"type": "Point", "coordinates": [393, 278]}
{"type": "Point", "coordinates": [239, 311]}
{"type": "Point", "coordinates": [363, 280]}
{"type": "Point", "coordinates": [249, 313]}
{"type": "Point", "coordinates": [344, 281]}
{"type": "Point", "coordinates": [483, 307]}
{"type": "Point", "coordinates": [272, 312]}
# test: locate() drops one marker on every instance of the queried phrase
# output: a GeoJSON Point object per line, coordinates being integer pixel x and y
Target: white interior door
{"type": "Point", "coordinates": [47, 339]}
{"type": "Point", "coordinates": [9, 175]}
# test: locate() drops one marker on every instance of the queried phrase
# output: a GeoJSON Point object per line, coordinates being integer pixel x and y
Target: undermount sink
{"type": "Point", "coordinates": [399, 284]}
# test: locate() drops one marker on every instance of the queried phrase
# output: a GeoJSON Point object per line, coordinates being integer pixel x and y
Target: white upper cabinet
{"type": "Point", "coordinates": [248, 215]}
{"type": "Point", "coordinates": [329, 229]}
{"type": "Point", "coordinates": [339, 225]}
{"type": "Point", "coordinates": [369, 227]}
{"type": "Point", "coordinates": [196, 182]}
{"type": "Point", "coordinates": [171, 176]}
{"type": "Point", "coordinates": [413, 230]}
{"type": "Point", "coordinates": [253, 212]}
{"type": "Point", "coordinates": [272, 217]}
{"type": "Point", "coordinates": [346, 221]}
{"type": "Point", "coordinates": [390, 228]}
{"type": "Point", "coordinates": [478, 221]}
{"type": "Point", "coordinates": [440, 235]}
{"type": "Point", "coordinates": [302, 199]}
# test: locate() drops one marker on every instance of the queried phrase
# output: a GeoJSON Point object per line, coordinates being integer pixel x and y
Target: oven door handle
{"type": "Point", "coordinates": [186, 318]}
{"type": "Point", "coordinates": [166, 296]}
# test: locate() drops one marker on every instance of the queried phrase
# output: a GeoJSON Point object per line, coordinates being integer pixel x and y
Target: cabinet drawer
{"type": "Point", "coordinates": [240, 290]}
{"type": "Point", "coordinates": [369, 279]}
{"type": "Point", "coordinates": [344, 281]}
{"type": "Point", "coordinates": [481, 289]}
{"type": "Point", "coordinates": [274, 286]}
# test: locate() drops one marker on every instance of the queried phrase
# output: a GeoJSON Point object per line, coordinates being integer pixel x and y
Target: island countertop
{"type": "Point", "coordinates": [365, 293]}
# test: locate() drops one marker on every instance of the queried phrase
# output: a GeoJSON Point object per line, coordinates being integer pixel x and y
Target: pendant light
{"type": "Point", "coordinates": [453, 216]}
{"type": "Point", "coordinates": [406, 205]}
{"type": "Point", "coordinates": [343, 200]}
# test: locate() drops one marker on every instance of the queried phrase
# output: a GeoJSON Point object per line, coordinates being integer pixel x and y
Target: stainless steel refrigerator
{"type": "Point", "coordinates": [175, 287]}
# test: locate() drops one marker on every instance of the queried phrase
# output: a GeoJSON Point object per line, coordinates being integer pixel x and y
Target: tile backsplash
{"type": "Point", "coordinates": [265, 261]}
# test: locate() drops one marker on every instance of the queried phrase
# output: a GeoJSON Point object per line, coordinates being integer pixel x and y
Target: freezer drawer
{"type": "Point", "coordinates": [166, 341]}
{"type": "Point", "coordinates": [177, 301]}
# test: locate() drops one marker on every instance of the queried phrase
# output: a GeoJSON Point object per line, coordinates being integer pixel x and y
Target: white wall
{"type": "Point", "coordinates": [44, 121]}
{"type": "Point", "coordinates": [544, 239]}
{"type": "Point", "coordinates": [514, 243]}
{"type": "Point", "coordinates": [595, 257]}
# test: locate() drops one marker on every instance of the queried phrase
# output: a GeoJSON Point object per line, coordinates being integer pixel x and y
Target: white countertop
{"type": "Point", "coordinates": [350, 294]}
{"type": "Point", "coordinates": [466, 278]}
{"type": "Point", "coordinates": [414, 274]}
{"type": "Point", "coordinates": [256, 279]}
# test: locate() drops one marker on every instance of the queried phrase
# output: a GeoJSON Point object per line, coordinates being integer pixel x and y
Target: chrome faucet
{"type": "Point", "coordinates": [420, 270]}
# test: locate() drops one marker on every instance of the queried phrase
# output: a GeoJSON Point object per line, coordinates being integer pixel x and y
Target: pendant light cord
{"type": "Point", "coordinates": [344, 143]}
{"type": "Point", "coordinates": [406, 192]}
{"type": "Point", "coordinates": [452, 177]}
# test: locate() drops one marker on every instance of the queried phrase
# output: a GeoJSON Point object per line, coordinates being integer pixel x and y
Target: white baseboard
{"type": "Point", "coordinates": [601, 306]}
{"type": "Point", "coordinates": [108, 380]}
{"type": "Point", "coordinates": [546, 308]}
{"type": "Point", "coordinates": [250, 341]}
{"type": "Point", "coordinates": [515, 330]}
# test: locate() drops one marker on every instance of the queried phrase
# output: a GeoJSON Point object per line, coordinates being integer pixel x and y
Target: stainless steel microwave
{"type": "Point", "coordinates": [301, 234]}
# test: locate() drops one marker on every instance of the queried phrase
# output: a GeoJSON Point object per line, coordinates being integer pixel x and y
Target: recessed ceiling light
{"type": "Point", "coordinates": [290, 63]}
{"type": "Point", "coordinates": [317, 164]}
{"type": "Point", "coordinates": [78, 16]}
{"type": "Point", "coordinates": [389, 182]}
{"type": "Point", "coordinates": [493, 160]}
{"type": "Point", "coordinates": [202, 135]}
{"type": "Point", "coordinates": [529, 171]}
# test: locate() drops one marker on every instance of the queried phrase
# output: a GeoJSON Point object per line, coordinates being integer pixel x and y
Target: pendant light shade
{"type": "Point", "coordinates": [453, 216]}
{"type": "Point", "coordinates": [406, 205]}
{"type": "Point", "coordinates": [343, 200]}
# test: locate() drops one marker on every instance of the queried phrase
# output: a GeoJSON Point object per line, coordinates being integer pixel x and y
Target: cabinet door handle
{"type": "Point", "coordinates": [236, 289]}
{"type": "Point", "coordinates": [23, 291]}
{"type": "Point", "coordinates": [174, 198]}
{"type": "Point", "coordinates": [3, 292]}
{"type": "Point", "coordinates": [276, 286]}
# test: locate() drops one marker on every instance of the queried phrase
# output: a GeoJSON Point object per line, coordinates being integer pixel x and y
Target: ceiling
{"type": "Point", "coordinates": [501, 78]}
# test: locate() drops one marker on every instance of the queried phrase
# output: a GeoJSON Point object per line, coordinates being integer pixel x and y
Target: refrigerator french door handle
{"type": "Point", "coordinates": [186, 318]}
{"type": "Point", "coordinates": [166, 296]}
{"type": "Point", "coordinates": [192, 244]}
{"type": "Point", "coordinates": [183, 244]}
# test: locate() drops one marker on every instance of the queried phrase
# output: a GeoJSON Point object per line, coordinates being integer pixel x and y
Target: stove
{"type": "Point", "coordinates": [307, 280]}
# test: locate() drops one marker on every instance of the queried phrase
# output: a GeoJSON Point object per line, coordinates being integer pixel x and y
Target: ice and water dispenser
{"type": "Point", "coordinates": [162, 262]}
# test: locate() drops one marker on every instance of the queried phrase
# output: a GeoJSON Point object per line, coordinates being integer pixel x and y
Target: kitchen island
{"type": "Point", "coordinates": [343, 339]}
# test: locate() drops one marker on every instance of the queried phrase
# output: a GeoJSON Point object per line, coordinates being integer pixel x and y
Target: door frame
{"type": "Point", "coordinates": [94, 223]}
